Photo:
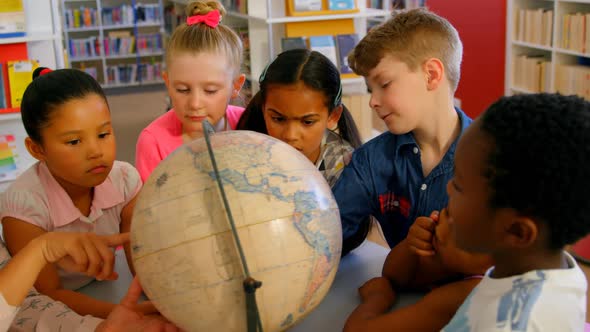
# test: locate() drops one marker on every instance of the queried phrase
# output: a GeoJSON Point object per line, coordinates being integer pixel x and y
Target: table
{"type": "Point", "coordinates": [357, 267]}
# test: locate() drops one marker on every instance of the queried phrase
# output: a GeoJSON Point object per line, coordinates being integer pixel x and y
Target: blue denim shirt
{"type": "Point", "coordinates": [385, 180]}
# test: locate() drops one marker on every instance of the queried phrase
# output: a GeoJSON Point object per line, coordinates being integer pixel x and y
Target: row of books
{"type": "Point", "coordinates": [532, 73]}
{"type": "Point", "coordinates": [317, 5]}
{"type": "Point", "coordinates": [395, 4]}
{"type": "Point", "coordinates": [85, 17]}
{"type": "Point", "coordinates": [243, 32]}
{"type": "Point", "coordinates": [125, 14]}
{"type": "Point", "coordinates": [336, 48]}
{"type": "Point", "coordinates": [240, 6]}
{"type": "Point", "coordinates": [573, 79]}
{"type": "Point", "coordinates": [575, 34]}
{"type": "Point", "coordinates": [20, 74]}
{"type": "Point", "coordinates": [533, 26]}
{"type": "Point", "coordinates": [134, 73]}
{"type": "Point", "coordinates": [123, 45]}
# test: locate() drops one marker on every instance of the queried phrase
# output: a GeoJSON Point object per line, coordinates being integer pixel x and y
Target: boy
{"type": "Point", "coordinates": [411, 64]}
{"type": "Point", "coordinates": [507, 200]}
{"type": "Point", "coordinates": [520, 194]}
{"type": "Point", "coordinates": [447, 273]}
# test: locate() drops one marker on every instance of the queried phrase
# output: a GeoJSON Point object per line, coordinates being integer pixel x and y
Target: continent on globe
{"type": "Point", "coordinates": [286, 217]}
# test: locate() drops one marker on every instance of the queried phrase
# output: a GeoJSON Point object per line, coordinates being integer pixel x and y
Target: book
{"type": "Point", "coordinates": [341, 4]}
{"type": "Point", "coordinates": [291, 43]}
{"type": "Point", "coordinates": [3, 103]}
{"type": "Point", "coordinates": [8, 157]}
{"type": "Point", "coordinates": [20, 74]}
{"type": "Point", "coordinates": [12, 19]}
{"type": "Point", "coordinates": [346, 44]}
{"type": "Point", "coordinates": [307, 5]}
{"type": "Point", "coordinates": [324, 45]}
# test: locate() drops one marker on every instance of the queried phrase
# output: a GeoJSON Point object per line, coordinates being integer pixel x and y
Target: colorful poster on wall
{"type": "Point", "coordinates": [8, 156]}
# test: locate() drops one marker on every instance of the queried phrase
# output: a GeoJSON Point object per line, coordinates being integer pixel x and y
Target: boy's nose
{"type": "Point", "coordinates": [373, 103]}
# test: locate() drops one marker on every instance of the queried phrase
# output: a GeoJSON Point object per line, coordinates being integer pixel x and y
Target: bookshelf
{"type": "Point", "coordinates": [267, 23]}
{"type": "Point", "coordinates": [119, 42]}
{"type": "Point", "coordinates": [42, 42]}
{"type": "Point", "coordinates": [548, 47]}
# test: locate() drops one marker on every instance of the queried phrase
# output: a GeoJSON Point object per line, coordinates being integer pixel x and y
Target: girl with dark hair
{"type": "Point", "coordinates": [300, 103]}
{"type": "Point", "coordinates": [76, 185]}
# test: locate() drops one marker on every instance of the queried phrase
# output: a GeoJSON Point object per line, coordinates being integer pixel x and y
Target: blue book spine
{"type": "Point", "coordinates": [3, 103]}
{"type": "Point", "coordinates": [346, 44]}
{"type": "Point", "coordinates": [341, 4]}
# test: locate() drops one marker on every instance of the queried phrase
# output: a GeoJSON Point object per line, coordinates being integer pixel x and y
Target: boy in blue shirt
{"type": "Point", "coordinates": [411, 64]}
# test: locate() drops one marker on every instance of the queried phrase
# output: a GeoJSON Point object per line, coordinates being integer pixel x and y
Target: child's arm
{"type": "Point", "coordinates": [82, 252]}
{"type": "Point", "coordinates": [125, 227]}
{"type": "Point", "coordinates": [431, 313]}
{"type": "Point", "coordinates": [18, 234]}
{"type": "Point", "coordinates": [406, 270]}
{"type": "Point", "coordinates": [413, 263]}
{"type": "Point", "coordinates": [354, 194]}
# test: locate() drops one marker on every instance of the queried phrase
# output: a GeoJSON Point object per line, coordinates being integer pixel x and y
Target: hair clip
{"type": "Point", "coordinates": [39, 71]}
{"type": "Point", "coordinates": [211, 19]}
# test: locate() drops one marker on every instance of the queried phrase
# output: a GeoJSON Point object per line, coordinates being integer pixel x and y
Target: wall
{"type": "Point", "coordinates": [482, 27]}
{"type": "Point", "coordinates": [132, 109]}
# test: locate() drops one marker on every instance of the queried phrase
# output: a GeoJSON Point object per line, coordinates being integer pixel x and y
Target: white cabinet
{"type": "Point", "coordinates": [548, 46]}
{"type": "Point", "coordinates": [266, 22]}
{"type": "Point", "coordinates": [119, 42]}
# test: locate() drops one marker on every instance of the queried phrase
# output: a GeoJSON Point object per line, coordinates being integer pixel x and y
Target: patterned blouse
{"type": "Point", "coordinates": [335, 154]}
{"type": "Point", "coordinates": [40, 313]}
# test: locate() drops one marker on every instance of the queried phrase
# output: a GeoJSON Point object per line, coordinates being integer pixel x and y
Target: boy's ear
{"type": "Point", "coordinates": [434, 71]}
{"type": "Point", "coordinates": [237, 85]}
{"type": "Point", "coordinates": [334, 117]}
{"type": "Point", "coordinates": [520, 232]}
{"type": "Point", "coordinates": [35, 149]}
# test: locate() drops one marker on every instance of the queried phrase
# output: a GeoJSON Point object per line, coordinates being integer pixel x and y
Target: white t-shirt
{"type": "Point", "coordinates": [40, 313]}
{"type": "Point", "coordinates": [540, 300]}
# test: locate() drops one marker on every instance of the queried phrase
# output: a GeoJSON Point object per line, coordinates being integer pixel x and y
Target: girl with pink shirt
{"type": "Point", "coordinates": [203, 60]}
{"type": "Point", "coordinates": [76, 185]}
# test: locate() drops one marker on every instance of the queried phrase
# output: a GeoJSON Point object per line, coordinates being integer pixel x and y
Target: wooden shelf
{"type": "Point", "coordinates": [520, 90]}
{"type": "Point", "coordinates": [30, 38]}
{"type": "Point", "coordinates": [366, 13]}
{"type": "Point", "coordinates": [124, 85]}
{"type": "Point", "coordinates": [531, 45]}
{"type": "Point", "coordinates": [570, 52]}
{"type": "Point", "coordinates": [132, 55]}
{"type": "Point", "coordinates": [10, 114]}
{"type": "Point", "coordinates": [82, 29]}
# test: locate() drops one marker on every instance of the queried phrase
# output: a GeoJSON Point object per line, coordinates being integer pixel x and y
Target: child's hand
{"type": "Point", "coordinates": [421, 235]}
{"type": "Point", "coordinates": [126, 316]}
{"type": "Point", "coordinates": [377, 288]}
{"type": "Point", "coordinates": [88, 253]}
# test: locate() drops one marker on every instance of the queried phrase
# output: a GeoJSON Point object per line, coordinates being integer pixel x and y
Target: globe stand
{"type": "Point", "coordinates": [250, 284]}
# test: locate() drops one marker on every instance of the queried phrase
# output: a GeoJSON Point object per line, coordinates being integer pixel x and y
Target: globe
{"type": "Point", "coordinates": [286, 219]}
